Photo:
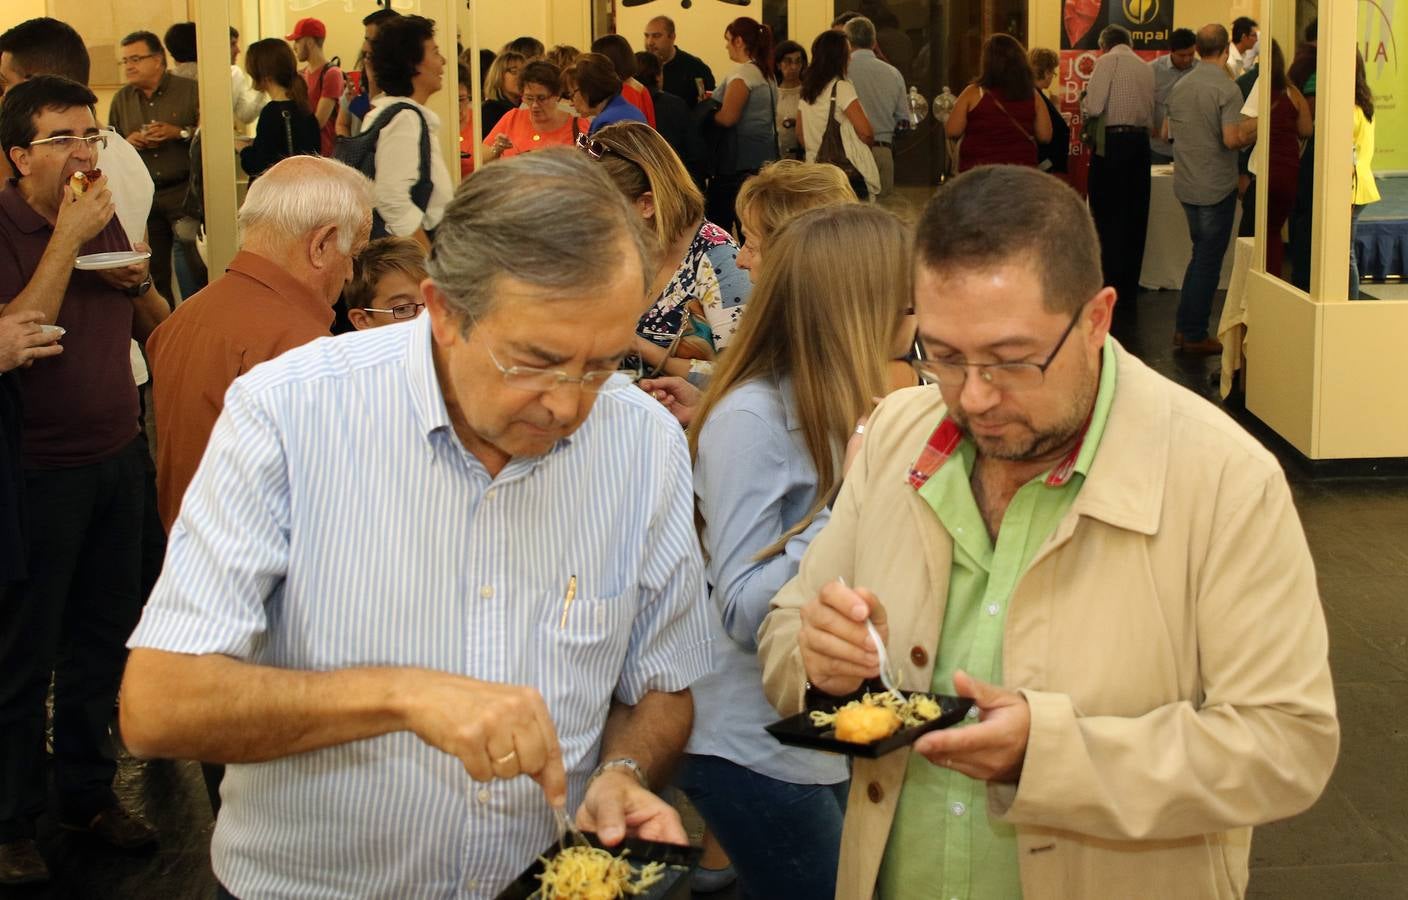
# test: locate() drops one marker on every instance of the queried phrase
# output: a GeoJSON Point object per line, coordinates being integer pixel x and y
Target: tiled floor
{"type": "Point", "coordinates": [1352, 844]}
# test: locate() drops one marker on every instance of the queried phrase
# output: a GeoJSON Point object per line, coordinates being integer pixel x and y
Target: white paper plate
{"type": "Point", "coordinates": [115, 260]}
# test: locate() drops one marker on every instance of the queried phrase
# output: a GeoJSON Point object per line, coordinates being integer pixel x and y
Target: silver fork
{"type": "Point", "coordinates": [888, 676]}
{"type": "Point", "coordinates": [566, 827]}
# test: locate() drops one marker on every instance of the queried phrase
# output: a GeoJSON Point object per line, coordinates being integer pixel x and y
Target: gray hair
{"type": "Point", "coordinates": [552, 219]}
{"type": "Point", "coordinates": [298, 195]}
{"type": "Point", "coordinates": [860, 31]}
{"type": "Point", "coordinates": [1114, 35]}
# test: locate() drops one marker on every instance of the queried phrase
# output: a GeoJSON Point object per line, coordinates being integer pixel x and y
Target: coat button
{"type": "Point", "coordinates": [918, 657]}
{"type": "Point", "coordinates": [874, 792]}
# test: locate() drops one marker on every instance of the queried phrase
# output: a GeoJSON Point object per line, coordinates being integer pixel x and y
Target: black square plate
{"type": "Point", "coordinates": [798, 730]}
{"type": "Point", "coordinates": [679, 862]}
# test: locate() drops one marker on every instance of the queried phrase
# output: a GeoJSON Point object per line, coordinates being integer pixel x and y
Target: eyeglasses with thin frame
{"type": "Point", "coordinates": [135, 58]}
{"type": "Point", "coordinates": [540, 381]}
{"type": "Point", "coordinates": [537, 99]}
{"type": "Point", "coordinates": [399, 311]}
{"type": "Point", "coordinates": [1004, 376]}
{"type": "Point", "coordinates": [70, 142]}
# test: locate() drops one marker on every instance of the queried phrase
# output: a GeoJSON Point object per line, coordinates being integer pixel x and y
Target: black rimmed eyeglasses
{"type": "Point", "coordinates": [1004, 376]}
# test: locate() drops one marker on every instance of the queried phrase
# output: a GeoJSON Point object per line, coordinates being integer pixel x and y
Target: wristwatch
{"type": "Point", "coordinates": [621, 762]}
{"type": "Point", "coordinates": [138, 290]}
{"type": "Point", "coordinates": [185, 134]}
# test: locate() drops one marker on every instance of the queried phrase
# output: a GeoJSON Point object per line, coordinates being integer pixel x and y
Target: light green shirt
{"type": "Point", "coordinates": [942, 843]}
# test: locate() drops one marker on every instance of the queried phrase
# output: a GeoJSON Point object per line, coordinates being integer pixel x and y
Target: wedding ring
{"type": "Point", "coordinates": [506, 758]}
{"type": "Point", "coordinates": [860, 429]}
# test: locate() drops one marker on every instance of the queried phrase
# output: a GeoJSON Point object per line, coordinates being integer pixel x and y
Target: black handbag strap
{"type": "Point", "coordinates": [288, 131]}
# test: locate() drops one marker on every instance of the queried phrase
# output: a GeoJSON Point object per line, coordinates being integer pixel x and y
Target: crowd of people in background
{"type": "Point", "coordinates": [727, 244]}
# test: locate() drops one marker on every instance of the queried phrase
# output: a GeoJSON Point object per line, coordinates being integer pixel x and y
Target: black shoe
{"type": "Point", "coordinates": [119, 828]}
{"type": "Point", "coordinates": [20, 863]}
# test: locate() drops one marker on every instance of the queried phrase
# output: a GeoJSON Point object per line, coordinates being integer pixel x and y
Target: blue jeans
{"type": "Point", "coordinates": [1354, 212]}
{"type": "Point", "coordinates": [784, 839]}
{"type": "Point", "coordinates": [1210, 227]}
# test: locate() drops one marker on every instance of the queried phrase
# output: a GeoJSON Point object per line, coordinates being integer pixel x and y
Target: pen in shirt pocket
{"type": "Point", "coordinates": [567, 601]}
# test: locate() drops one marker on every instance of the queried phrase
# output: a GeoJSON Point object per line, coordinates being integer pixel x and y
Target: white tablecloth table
{"type": "Point", "coordinates": [1168, 248]}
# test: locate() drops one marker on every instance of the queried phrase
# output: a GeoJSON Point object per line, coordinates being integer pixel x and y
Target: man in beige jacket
{"type": "Point", "coordinates": [1110, 566]}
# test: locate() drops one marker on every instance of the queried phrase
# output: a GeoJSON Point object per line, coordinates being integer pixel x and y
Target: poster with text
{"type": "Point", "coordinates": [1383, 30]}
{"type": "Point", "coordinates": [1148, 21]}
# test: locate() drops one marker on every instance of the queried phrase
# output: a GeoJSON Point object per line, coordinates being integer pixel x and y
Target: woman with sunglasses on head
{"type": "Point", "coordinates": [698, 290]}
{"type": "Point", "coordinates": [596, 92]}
{"type": "Point", "coordinates": [501, 88]}
{"type": "Point", "coordinates": [540, 123]}
{"type": "Point", "coordinates": [767, 446]}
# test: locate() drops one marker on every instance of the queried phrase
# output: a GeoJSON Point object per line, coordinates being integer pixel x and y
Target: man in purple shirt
{"type": "Point", "coordinates": [82, 468]}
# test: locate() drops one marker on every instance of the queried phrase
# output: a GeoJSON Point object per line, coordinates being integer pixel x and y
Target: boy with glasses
{"type": "Point", "coordinates": [385, 286]}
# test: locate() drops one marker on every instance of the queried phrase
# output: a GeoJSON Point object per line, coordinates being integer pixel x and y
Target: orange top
{"type": "Point", "coordinates": [518, 125]}
{"type": "Point", "coordinates": [640, 99]}
{"type": "Point", "coordinates": [252, 314]}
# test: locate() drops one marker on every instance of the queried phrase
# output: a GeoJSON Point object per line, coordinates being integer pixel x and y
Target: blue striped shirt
{"type": "Point", "coordinates": [336, 521]}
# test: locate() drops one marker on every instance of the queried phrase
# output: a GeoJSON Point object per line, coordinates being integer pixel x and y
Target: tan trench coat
{"type": "Point", "coordinates": [1168, 638]}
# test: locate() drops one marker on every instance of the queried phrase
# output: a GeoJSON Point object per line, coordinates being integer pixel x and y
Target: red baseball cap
{"type": "Point", "coordinates": [308, 28]}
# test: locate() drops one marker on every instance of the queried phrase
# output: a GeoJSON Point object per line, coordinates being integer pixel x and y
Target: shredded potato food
{"type": "Point", "coordinates": [917, 710]}
{"type": "Point", "coordinates": [588, 873]}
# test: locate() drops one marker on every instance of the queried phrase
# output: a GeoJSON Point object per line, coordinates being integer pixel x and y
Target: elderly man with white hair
{"type": "Point", "coordinates": [300, 227]}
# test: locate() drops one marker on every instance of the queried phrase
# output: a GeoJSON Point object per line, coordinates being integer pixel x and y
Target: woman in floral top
{"type": "Point", "coordinates": [699, 290]}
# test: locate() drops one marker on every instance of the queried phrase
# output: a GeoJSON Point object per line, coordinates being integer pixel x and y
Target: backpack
{"type": "Point", "coordinates": [360, 153]}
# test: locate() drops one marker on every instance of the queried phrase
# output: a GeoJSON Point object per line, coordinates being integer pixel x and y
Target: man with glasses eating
{"type": "Point", "coordinates": [1108, 565]}
{"type": "Point", "coordinates": [82, 470]}
{"type": "Point", "coordinates": [421, 562]}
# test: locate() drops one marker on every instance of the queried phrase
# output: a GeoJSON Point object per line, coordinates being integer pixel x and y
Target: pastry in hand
{"type": "Point", "coordinates": [82, 181]}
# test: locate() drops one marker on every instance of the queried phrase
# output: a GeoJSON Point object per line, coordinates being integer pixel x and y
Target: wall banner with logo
{"type": "Point", "coordinates": [1383, 35]}
{"type": "Point", "coordinates": [1149, 23]}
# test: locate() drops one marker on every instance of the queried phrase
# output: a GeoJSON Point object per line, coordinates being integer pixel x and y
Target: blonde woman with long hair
{"type": "Point", "coordinates": [502, 90]}
{"type": "Point", "coordinates": [767, 447]}
{"type": "Point", "coordinates": [698, 292]}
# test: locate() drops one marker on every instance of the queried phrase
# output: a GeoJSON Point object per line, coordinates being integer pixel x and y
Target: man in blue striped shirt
{"type": "Point", "coordinates": [456, 545]}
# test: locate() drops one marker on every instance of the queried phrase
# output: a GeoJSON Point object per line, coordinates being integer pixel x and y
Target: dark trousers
{"type": "Point", "coordinates": [1119, 203]}
{"type": "Point", "coordinates": [784, 839]}
{"type": "Point", "coordinates": [168, 207]}
{"type": "Point", "coordinates": [72, 618]}
{"type": "Point", "coordinates": [1210, 228]}
{"type": "Point", "coordinates": [720, 198]}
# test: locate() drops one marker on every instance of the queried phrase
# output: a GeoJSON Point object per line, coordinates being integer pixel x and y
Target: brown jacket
{"type": "Point", "coordinates": [1168, 638]}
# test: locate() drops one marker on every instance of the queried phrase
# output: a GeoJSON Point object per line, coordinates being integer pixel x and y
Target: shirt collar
{"type": "Point", "coordinates": [266, 272]}
{"type": "Point", "coordinates": [945, 440]}
{"type": "Point", "coordinates": [428, 401]}
{"type": "Point", "coordinates": [26, 219]}
{"type": "Point", "coordinates": [864, 53]}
